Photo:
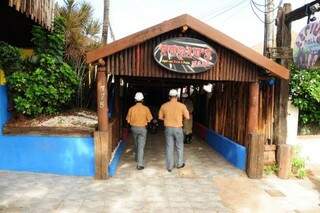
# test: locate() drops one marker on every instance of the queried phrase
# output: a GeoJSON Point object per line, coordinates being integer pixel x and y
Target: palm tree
{"type": "Point", "coordinates": [81, 28]}
{"type": "Point", "coordinates": [106, 21]}
{"type": "Point", "coordinates": [81, 34]}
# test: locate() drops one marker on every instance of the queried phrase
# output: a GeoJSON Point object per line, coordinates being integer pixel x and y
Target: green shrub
{"type": "Point", "coordinates": [271, 169]}
{"type": "Point", "coordinates": [298, 168]}
{"type": "Point", "coordinates": [45, 84]}
{"type": "Point", "coordinates": [10, 59]}
{"type": "Point", "coordinates": [305, 94]}
{"type": "Point", "coordinates": [46, 90]}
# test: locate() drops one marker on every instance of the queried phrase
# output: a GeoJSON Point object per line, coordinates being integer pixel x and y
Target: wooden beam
{"type": "Point", "coordinates": [254, 141]}
{"type": "Point", "coordinates": [282, 86]}
{"type": "Point", "coordinates": [102, 150]}
{"type": "Point", "coordinates": [255, 156]}
{"type": "Point", "coordinates": [253, 110]}
{"type": "Point", "coordinates": [300, 13]}
{"type": "Point", "coordinates": [101, 138]}
{"type": "Point", "coordinates": [284, 155]}
{"type": "Point", "coordinates": [102, 97]}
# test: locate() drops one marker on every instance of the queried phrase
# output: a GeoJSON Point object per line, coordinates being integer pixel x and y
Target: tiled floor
{"type": "Point", "coordinates": [150, 190]}
{"type": "Point", "coordinates": [206, 184]}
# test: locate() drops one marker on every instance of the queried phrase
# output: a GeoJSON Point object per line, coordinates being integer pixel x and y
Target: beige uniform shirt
{"type": "Point", "coordinates": [139, 115]}
{"type": "Point", "coordinates": [173, 113]}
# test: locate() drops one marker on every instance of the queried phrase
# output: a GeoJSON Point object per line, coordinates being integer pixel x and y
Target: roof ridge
{"type": "Point", "coordinates": [198, 26]}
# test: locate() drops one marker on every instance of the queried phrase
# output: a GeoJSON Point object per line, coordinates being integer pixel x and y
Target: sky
{"type": "Point", "coordinates": [232, 17]}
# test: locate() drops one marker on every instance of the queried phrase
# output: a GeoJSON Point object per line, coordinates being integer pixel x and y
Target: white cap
{"type": "Point", "coordinates": [173, 93]}
{"type": "Point", "coordinates": [185, 95]}
{"type": "Point", "coordinates": [138, 96]}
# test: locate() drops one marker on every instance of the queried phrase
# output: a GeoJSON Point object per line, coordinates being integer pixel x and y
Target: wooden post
{"type": "Point", "coordinates": [282, 86]}
{"type": "Point", "coordinates": [284, 154]}
{"type": "Point", "coordinates": [254, 141]}
{"type": "Point", "coordinates": [253, 105]}
{"type": "Point", "coordinates": [102, 98]}
{"type": "Point", "coordinates": [101, 149]}
{"type": "Point", "coordinates": [101, 137]}
{"type": "Point", "coordinates": [118, 107]}
{"type": "Point", "coordinates": [282, 95]}
{"type": "Point", "coordinates": [255, 156]}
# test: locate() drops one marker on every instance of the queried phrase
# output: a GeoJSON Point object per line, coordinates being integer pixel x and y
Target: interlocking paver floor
{"type": "Point", "coordinates": [207, 184]}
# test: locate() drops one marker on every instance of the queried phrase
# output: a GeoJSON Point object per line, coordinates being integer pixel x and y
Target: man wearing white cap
{"type": "Point", "coordinates": [138, 117]}
{"type": "Point", "coordinates": [173, 113]}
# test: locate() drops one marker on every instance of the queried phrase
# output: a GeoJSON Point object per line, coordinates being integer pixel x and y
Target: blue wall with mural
{"type": "Point", "coordinates": [48, 154]}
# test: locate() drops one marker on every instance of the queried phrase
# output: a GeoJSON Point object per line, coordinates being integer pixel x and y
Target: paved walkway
{"type": "Point", "coordinates": [206, 184]}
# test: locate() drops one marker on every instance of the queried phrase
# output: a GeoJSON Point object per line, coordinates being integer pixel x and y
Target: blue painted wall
{"type": "Point", "coordinates": [48, 154]}
{"type": "Point", "coordinates": [234, 153]}
{"type": "Point", "coordinates": [112, 168]}
{"type": "Point", "coordinates": [230, 150]}
{"type": "Point", "coordinates": [4, 114]}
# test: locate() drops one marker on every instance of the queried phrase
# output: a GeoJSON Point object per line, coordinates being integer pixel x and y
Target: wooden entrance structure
{"type": "Point", "coordinates": [243, 93]}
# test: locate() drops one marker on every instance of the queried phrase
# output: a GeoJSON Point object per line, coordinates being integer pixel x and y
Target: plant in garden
{"type": "Point", "coordinates": [10, 59]}
{"type": "Point", "coordinates": [305, 94]}
{"type": "Point", "coordinates": [270, 169]}
{"type": "Point", "coordinates": [50, 43]}
{"type": "Point", "coordinates": [81, 34]}
{"type": "Point", "coordinates": [47, 84]}
{"type": "Point", "coordinates": [298, 168]}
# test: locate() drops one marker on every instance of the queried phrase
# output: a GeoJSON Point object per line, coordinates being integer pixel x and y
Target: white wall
{"type": "Point", "coordinates": [292, 124]}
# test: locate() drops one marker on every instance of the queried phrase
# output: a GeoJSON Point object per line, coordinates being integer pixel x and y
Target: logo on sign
{"type": "Point", "coordinates": [185, 55]}
{"type": "Point", "coordinates": [306, 53]}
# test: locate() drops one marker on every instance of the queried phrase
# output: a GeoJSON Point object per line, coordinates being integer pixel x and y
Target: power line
{"type": "Point", "coordinates": [111, 32]}
{"type": "Point", "coordinates": [212, 12]}
{"type": "Point", "coordinates": [255, 13]}
{"type": "Point", "coordinates": [232, 14]}
{"type": "Point", "coordinates": [263, 5]}
{"type": "Point", "coordinates": [256, 5]}
{"type": "Point", "coordinates": [253, 6]}
{"type": "Point", "coordinates": [226, 10]}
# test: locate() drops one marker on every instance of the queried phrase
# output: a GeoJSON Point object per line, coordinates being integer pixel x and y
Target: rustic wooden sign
{"type": "Point", "coordinates": [185, 55]}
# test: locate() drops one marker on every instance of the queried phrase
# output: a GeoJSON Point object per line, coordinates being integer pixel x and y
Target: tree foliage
{"type": "Point", "coordinates": [10, 59]}
{"type": "Point", "coordinates": [81, 29]}
{"type": "Point", "coordinates": [305, 94]}
{"type": "Point", "coordinates": [81, 34]}
{"type": "Point", "coordinates": [45, 84]}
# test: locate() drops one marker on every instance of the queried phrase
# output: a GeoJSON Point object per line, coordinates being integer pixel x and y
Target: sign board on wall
{"type": "Point", "coordinates": [306, 53]}
{"type": "Point", "coordinates": [185, 55]}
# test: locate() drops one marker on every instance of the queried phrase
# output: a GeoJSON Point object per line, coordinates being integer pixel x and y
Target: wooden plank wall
{"type": "Point", "coordinates": [266, 111]}
{"type": "Point", "coordinates": [40, 11]}
{"type": "Point", "coordinates": [138, 61]}
{"type": "Point", "coordinates": [229, 106]}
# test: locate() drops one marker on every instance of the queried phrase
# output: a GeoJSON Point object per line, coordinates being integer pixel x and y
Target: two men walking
{"type": "Point", "coordinates": [172, 113]}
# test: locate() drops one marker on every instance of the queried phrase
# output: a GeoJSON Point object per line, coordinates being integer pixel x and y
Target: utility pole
{"type": "Point", "coordinates": [106, 21]}
{"type": "Point", "coordinates": [268, 26]}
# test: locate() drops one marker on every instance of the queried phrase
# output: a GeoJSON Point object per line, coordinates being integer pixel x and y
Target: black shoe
{"type": "Point", "coordinates": [187, 139]}
{"type": "Point", "coordinates": [140, 167]}
{"type": "Point", "coordinates": [179, 167]}
{"type": "Point", "coordinates": [169, 170]}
